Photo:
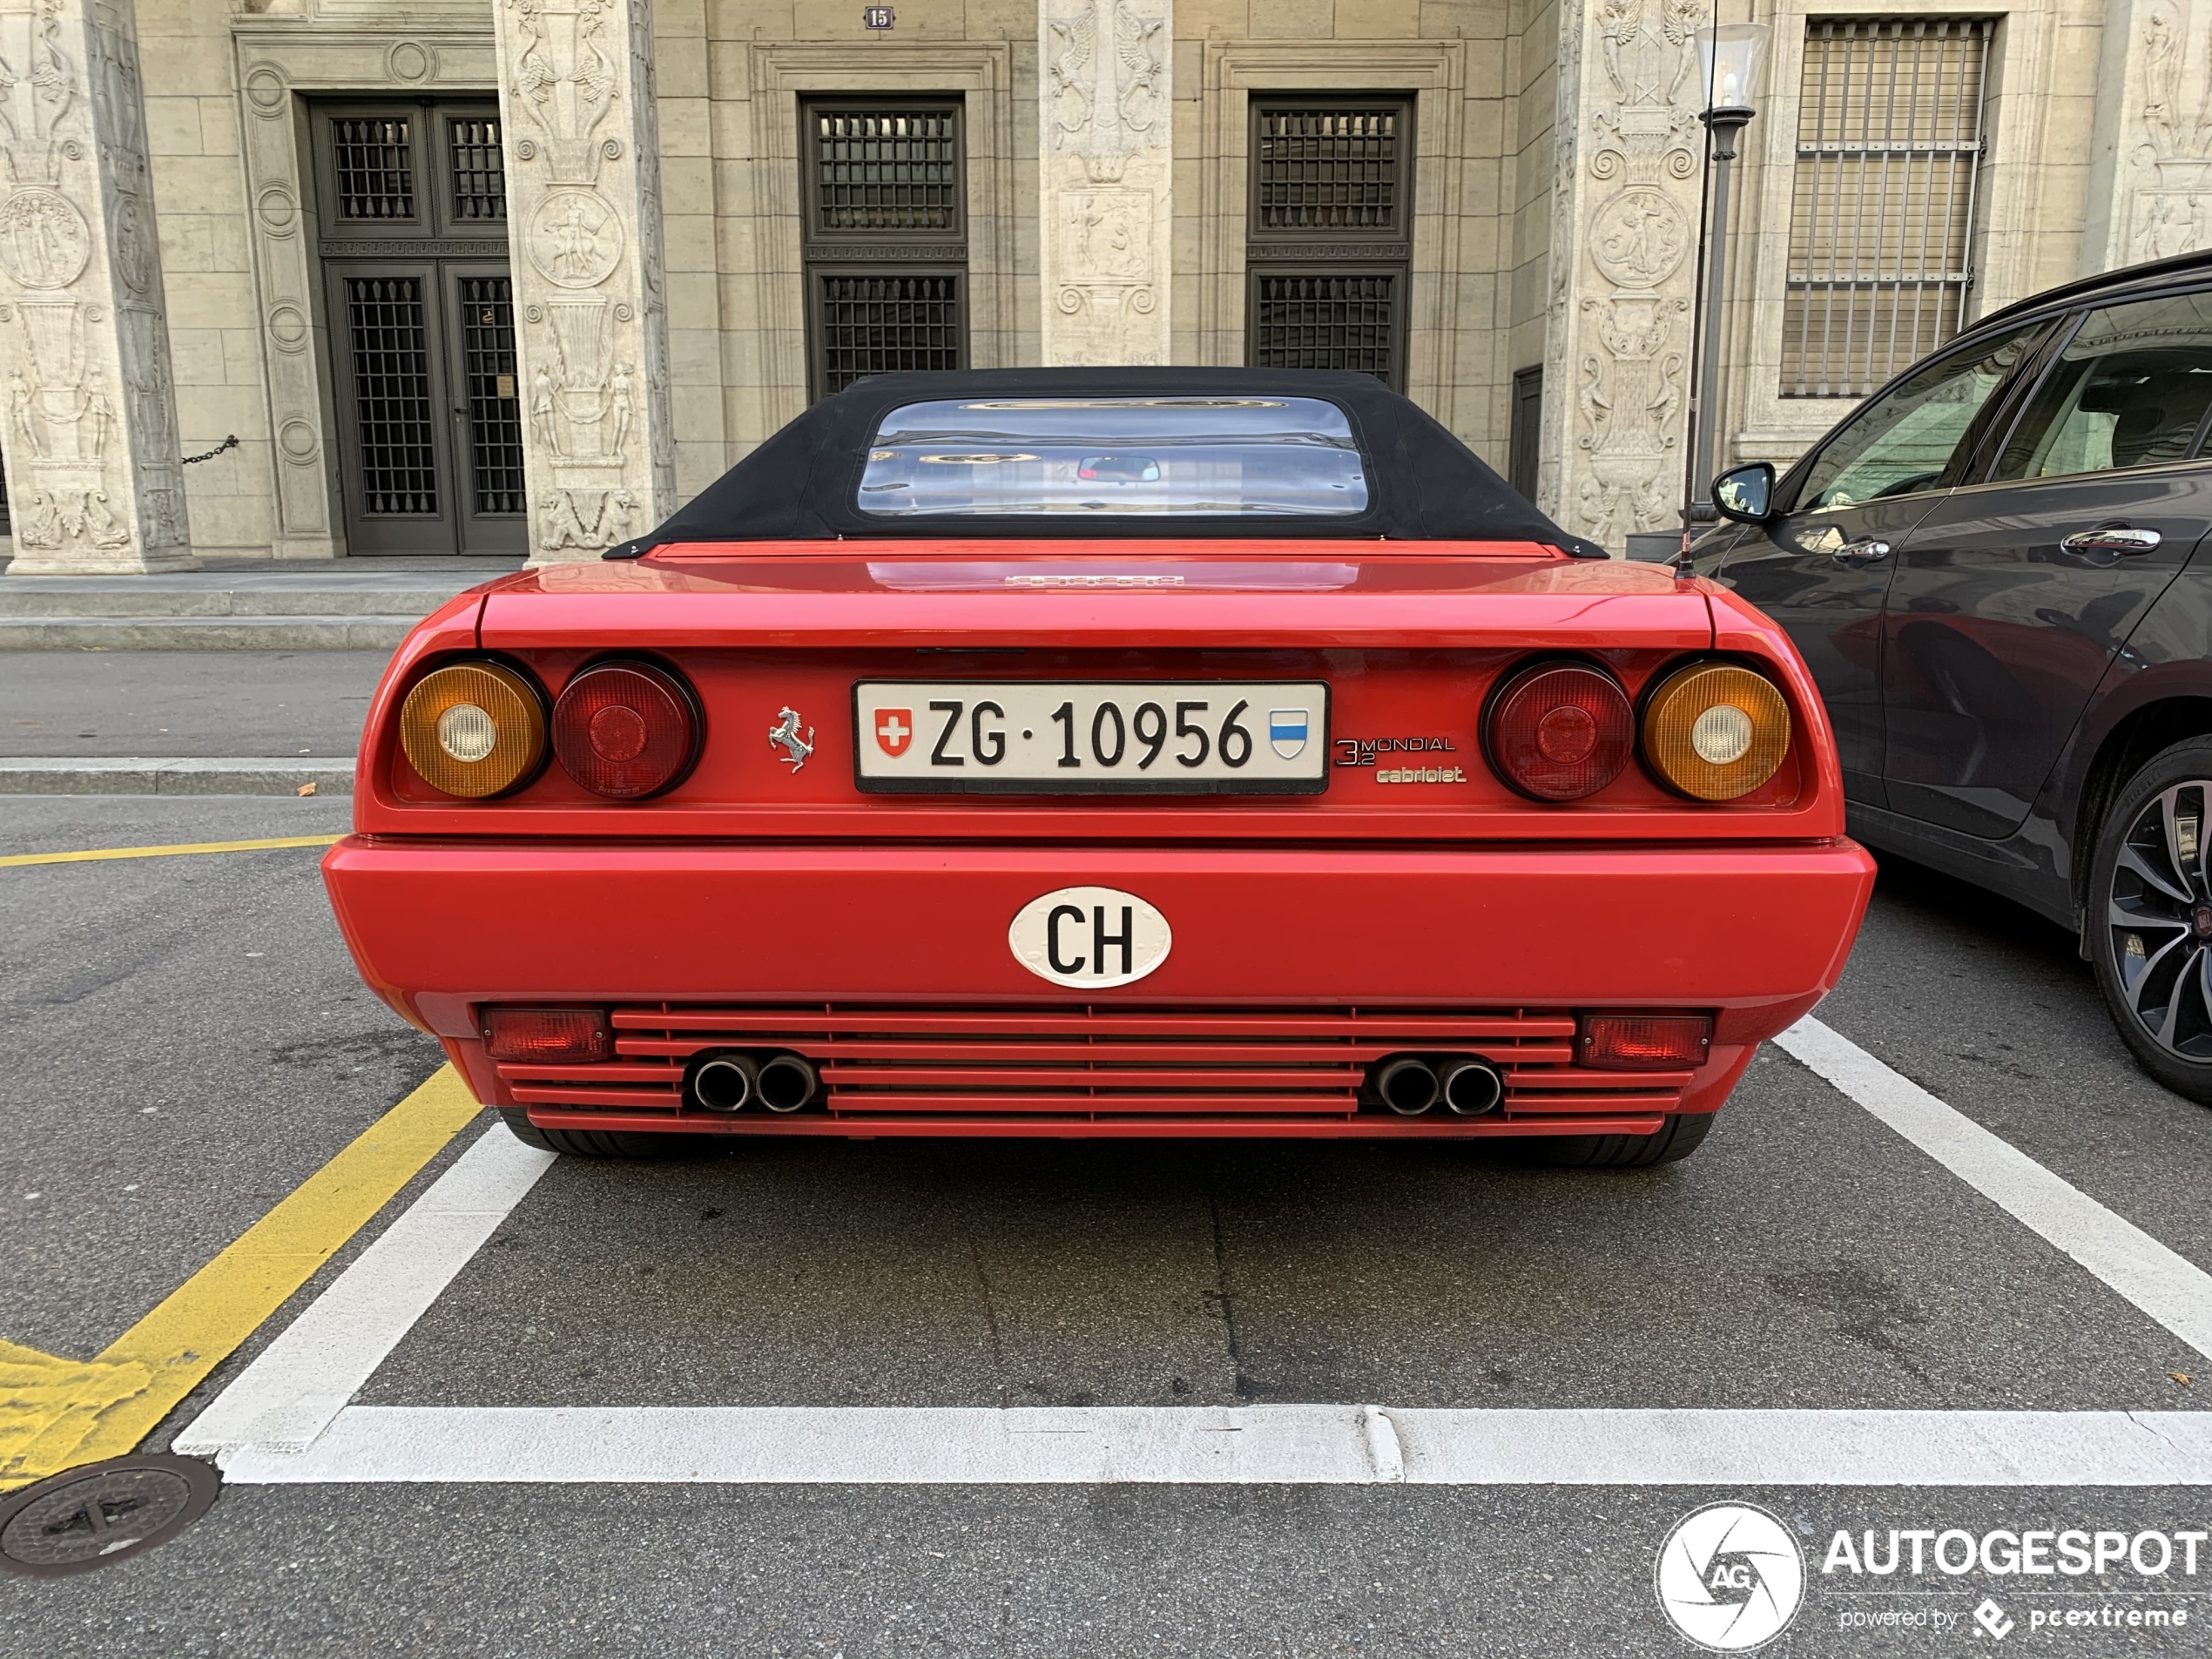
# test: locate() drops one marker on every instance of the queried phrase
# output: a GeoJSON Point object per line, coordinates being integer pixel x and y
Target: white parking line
{"type": "Point", "coordinates": [2171, 1289]}
{"type": "Point", "coordinates": [1307, 1445]}
{"type": "Point", "coordinates": [287, 1419]}
{"type": "Point", "coordinates": [301, 1381]}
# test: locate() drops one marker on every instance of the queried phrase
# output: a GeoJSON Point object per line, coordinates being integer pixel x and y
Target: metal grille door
{"type": "Point", "coordinates": [487, 307]}
{"type": "Point", "coordinates": [1889, 146]}
{"type": "Point", "coordinates": [412, 207]}
{"type": "Point", "coordinates": [395, 416]}
{"type": "Point", "coordinates": [1323, 322]}
{"type": "Point", "coordinates": [872, 325]}
{"type": "Point", "coordinates": [885, 189]}
{"type": "Point", "coordinates": [1329, 244]}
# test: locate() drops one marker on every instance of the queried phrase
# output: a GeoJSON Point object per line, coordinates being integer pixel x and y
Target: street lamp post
{"type": "Point", "coordinates": [1731, 58]}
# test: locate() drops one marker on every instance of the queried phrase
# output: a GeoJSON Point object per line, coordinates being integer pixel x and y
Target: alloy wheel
{"type": "Point", "coordinates": [2159, 912]}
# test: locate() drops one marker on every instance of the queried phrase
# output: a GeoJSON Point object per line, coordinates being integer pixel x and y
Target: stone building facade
{"type": "Point", "coordinates": [486, 275]}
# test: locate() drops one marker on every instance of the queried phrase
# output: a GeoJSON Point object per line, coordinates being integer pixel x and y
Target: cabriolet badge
{"type": "Point", "coordinates": [785, 732]}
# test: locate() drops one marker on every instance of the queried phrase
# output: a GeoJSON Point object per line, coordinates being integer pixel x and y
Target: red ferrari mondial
{"type": "Point", "coordinates": [1103, 753]}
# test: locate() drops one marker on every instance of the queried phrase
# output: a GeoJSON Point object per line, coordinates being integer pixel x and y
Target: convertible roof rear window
{"type": "Point", "coordinates": [1078, 458]}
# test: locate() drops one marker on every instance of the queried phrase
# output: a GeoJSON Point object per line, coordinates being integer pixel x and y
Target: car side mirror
{"type": "Point", "coordinates": [1746, 494]}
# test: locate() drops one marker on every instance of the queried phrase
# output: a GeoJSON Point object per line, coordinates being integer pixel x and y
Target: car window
{"type": "Point", "coordinates": [1081, 456]}
{"type": "Point", "coordinates": [1902, 440]}
{"type": "Point", "coordinates": [2130, 390]}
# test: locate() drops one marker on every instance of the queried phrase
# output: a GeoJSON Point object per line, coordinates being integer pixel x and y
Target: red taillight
{"type": "Point", "coordinates": [626, 730]}
{"type": "Point", "coordinates": [1644, 1042]}
{"type": "Point", "coordinates": [1559, 731]}
{"type": "Point", "coordinates": [547, 1034]}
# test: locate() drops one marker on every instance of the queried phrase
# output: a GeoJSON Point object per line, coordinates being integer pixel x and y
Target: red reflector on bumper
{"type": "Point", "coordinates": [547, 1034]}
{"type": "Point", "coordinates": [1636, 1041]}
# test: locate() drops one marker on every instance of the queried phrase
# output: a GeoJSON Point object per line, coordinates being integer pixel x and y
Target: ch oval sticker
{"type": "Point", "coordinates": [1090, 938]}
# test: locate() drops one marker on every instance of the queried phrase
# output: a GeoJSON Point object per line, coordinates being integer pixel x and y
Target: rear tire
{"type": "Point", "coordinates": [2160, 998]}
{"type": "Point", "coordinates": [595, 1143]}
{"type": "Point", "coordinates": [1677, 1138]}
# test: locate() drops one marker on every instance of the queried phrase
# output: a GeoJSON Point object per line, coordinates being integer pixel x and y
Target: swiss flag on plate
{"type": "Point", "coordinates": [894, 730]}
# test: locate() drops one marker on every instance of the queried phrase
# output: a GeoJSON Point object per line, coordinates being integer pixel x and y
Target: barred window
{"type": "Point", "coordinates": [1889, 147]}
{"type": "Point", "coordinates": [374, 156]}
{"type": "Point", "coordinates": [886, 170]}
{"type": "Point", "coordinates": [479, 169]}
{"type": "Point", "coordinates": [1326, 169]}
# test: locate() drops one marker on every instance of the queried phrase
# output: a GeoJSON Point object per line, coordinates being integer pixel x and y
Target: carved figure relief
{"type": "Point", "coordinates": [593, 248]}
{"type": "Point", "coordinates": [1105, 178]}
{"type": "Point", "coordinates": [44, 241]}
{"type": "Point", "coordinates": [90, 400]}
{"type": "Point", "coordinates": [2166, 168]}
{"type": "Point", "coordinates": [1630, 370]}
{"type": "Point", "coordinates": [575, 241]}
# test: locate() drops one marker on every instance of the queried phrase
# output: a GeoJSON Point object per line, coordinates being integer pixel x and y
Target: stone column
{"type": "Point", "coordinates": [2150, 158]}
{"type": "Point", "coordinates": [94, 479]}
{"type": "Point", "coordinates": [576, 90]}
{"type": "Point", "coordinates": [1105, 192]}
{"type": "Point", "coordinates": [1628, 149]}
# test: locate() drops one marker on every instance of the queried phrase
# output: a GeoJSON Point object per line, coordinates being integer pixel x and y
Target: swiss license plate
{"type": "Point", "coordinates": [1092, 737]}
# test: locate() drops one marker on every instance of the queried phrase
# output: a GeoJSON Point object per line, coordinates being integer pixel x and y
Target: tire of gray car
{"type": "Point", "coordinates": [1677, 1138]}
{"type": "Point", "coordinates": [2149, 917]}
{"type": "Point", "coordinates": [595, 1143]}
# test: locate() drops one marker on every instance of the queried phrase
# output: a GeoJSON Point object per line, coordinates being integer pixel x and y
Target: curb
{"type": "Point", "coordinates": [203, 633]}
{"type": "Point", "coordinates": [248, 775]}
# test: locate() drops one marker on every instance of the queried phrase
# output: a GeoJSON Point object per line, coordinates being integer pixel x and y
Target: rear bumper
{"type": "Point", "coordinates": [897, 955]}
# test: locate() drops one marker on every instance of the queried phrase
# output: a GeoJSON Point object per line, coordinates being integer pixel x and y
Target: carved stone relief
{"type": "Point", "coordinates": [2163, 199]}
{"type": "Point", "coordinates": [583, 161]}
{"type": "Point", "coordinates": [1627, 203]}
{"type": "Point", "coordinates": [1107, 205]}
{"type": "Point", "coordinates": [94, 475]}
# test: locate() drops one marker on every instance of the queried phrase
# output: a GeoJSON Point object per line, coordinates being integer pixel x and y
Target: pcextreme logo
{"type": "Point", "coordinates": [1730, 1577]}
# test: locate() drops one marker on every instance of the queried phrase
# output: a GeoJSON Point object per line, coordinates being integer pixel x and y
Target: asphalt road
{"type": "Point", "coordinates": [185, 703]}
{"type": "Point", "coordinates": [182, 1040]}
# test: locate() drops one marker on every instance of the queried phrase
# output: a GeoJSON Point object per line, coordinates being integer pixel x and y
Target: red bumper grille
{"type": "Point", "coordinates": [910, 1065]}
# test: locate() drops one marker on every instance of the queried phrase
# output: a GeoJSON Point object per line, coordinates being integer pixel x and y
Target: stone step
{"type": "Point", "coordinates": [205, 633]}
{"type": "Point", "coordinates": [233, 775]}
{"type": "Point", "coordinates": [25, 597]}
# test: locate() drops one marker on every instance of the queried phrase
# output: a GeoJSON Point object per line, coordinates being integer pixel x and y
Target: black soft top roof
{"type": "Point", "coordinates": [802, 484]}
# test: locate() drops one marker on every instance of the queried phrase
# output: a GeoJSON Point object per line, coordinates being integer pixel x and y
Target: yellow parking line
{"type": "Point", "coordinates": [55, 1412]}
{"type": "Point", "coordinates": [169, 851]}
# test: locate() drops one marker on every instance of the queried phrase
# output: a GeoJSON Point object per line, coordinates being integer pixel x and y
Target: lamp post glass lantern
{"type": "Point", "coordinates": [1731, 58]}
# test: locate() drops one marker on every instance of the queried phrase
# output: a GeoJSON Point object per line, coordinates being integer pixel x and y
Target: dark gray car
{"type": "Point", "coordinates": [1996, 570]}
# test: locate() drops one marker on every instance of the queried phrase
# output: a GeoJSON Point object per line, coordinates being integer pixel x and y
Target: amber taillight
{"type": "Point", "coordinates": [1558, 731]}
{"type": "Point", "coordinates": [626, 730]}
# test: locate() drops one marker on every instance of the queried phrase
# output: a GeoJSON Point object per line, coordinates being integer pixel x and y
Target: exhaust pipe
{"type": "Point", "coordinates": [1472, 1087]}
{"type": "Point", "coordinates": [787, 1082]}
{"type": "Point", "coordinates": [1407, 1086]}
{"type": "Point", "coordinates": [725, 1083]}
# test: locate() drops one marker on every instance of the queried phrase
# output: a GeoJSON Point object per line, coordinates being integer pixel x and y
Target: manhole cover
{"type": "Point", "coordinates": [88, 1517]}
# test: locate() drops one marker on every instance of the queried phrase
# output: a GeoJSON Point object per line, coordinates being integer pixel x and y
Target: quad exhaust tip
{"type": "Point", "coordinates": [788, 1082]}
{"type": "Point", "coordinates": [1471, 1088]}
{"type": "Point", "coordinates": [725, 1083]}
{"type": "Point", "coordinates": [1468, 1085]}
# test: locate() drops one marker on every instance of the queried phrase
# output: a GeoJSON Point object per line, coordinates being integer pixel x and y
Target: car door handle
{"type": "Point", "coordinates": [1866, 551]}
{"type": "Point", "coordinates": [2112, 538]}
